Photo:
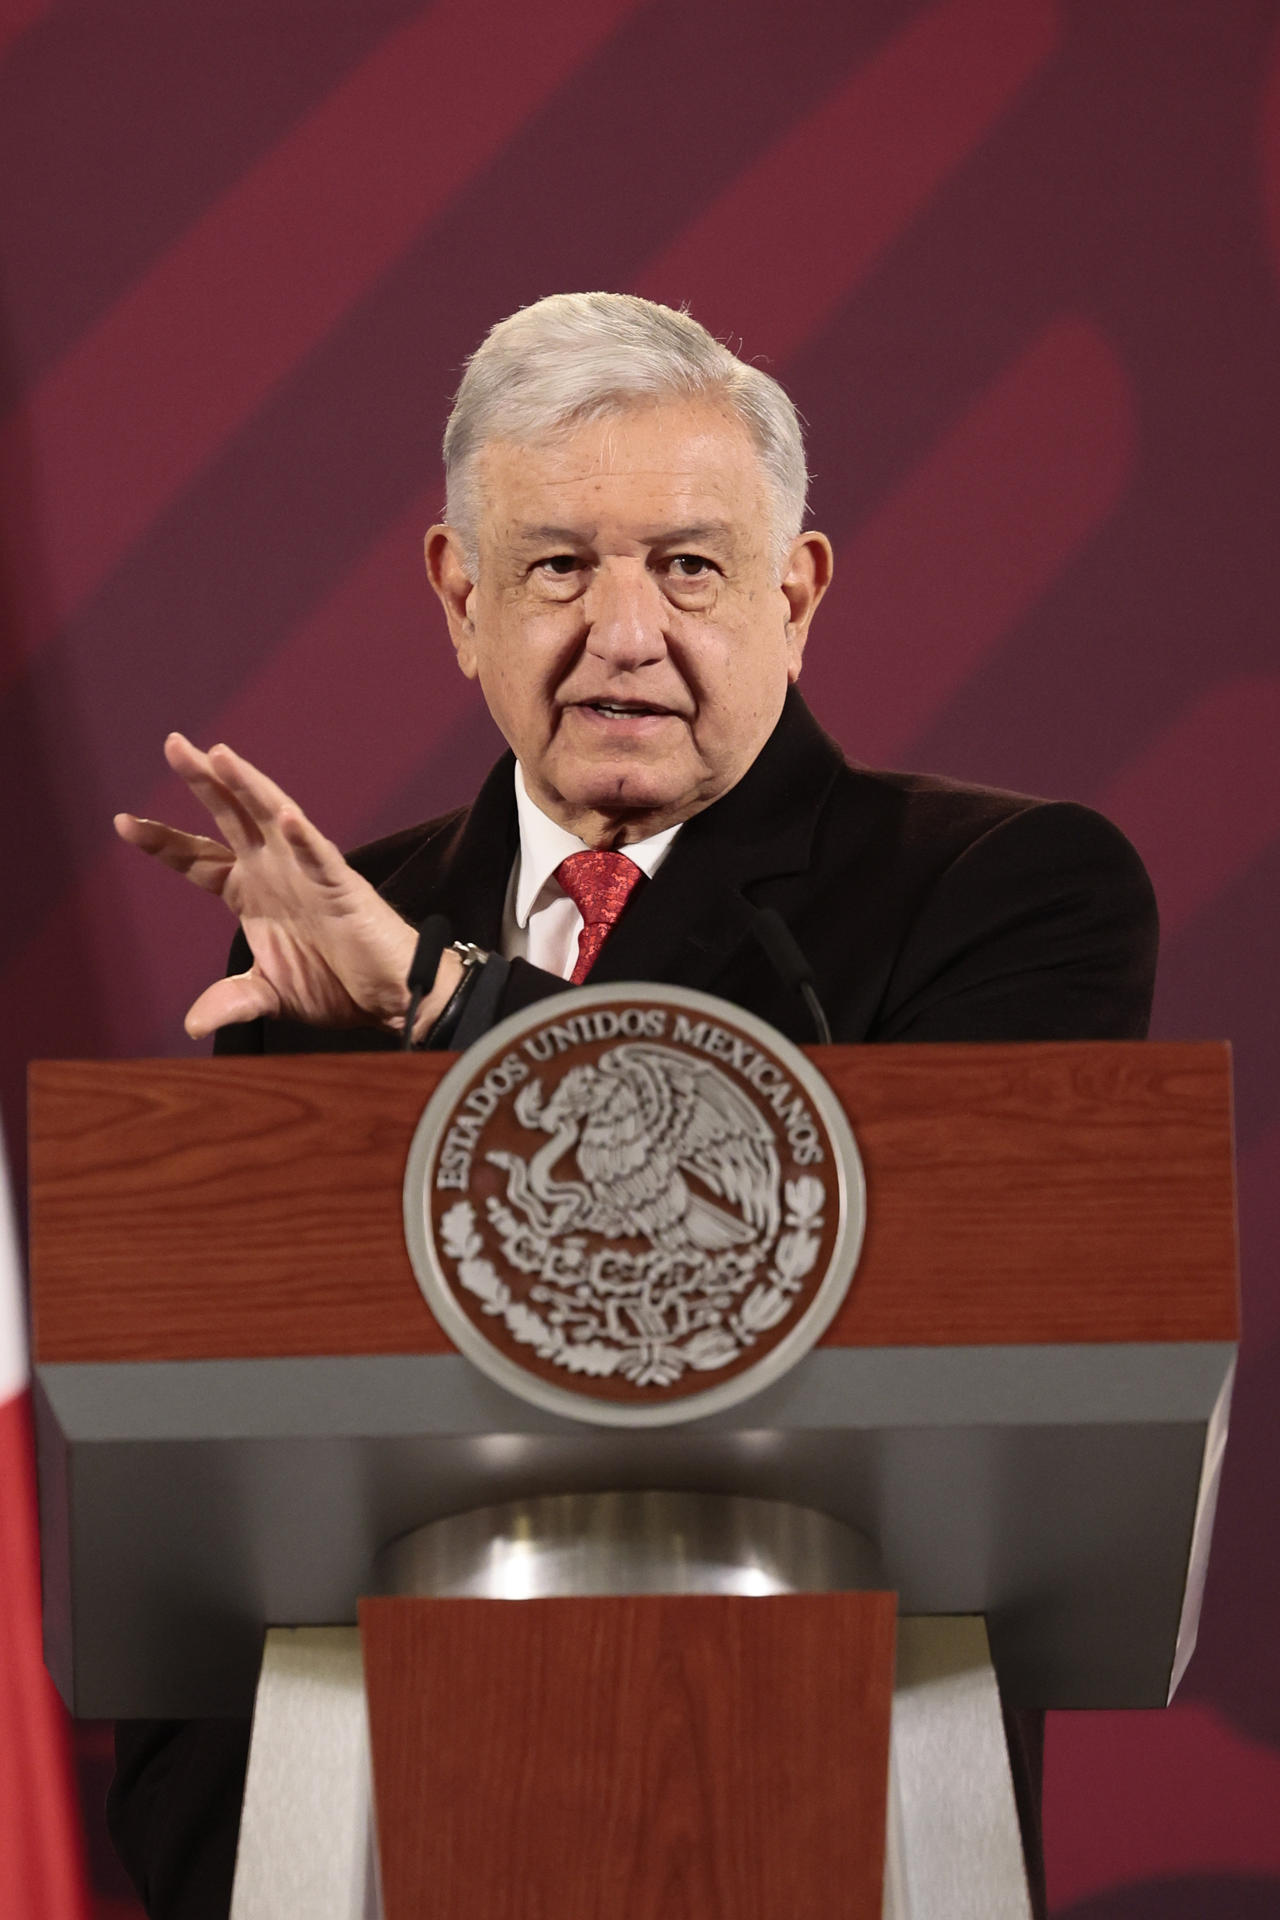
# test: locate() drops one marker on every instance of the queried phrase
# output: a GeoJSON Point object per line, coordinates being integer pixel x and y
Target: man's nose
{"type": "Point", "coordinates": [626, 613]}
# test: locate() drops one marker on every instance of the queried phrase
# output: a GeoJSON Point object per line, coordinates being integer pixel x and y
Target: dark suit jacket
{"type": "Point", "coordinates": [929, 910]}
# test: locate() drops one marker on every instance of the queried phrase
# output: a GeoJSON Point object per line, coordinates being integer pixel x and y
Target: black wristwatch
{"type": "Point", "coordinates": [442, 1028]}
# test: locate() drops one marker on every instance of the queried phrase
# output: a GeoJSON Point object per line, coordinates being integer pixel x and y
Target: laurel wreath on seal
{"type": "Point", "coordinates": [646, 1361]}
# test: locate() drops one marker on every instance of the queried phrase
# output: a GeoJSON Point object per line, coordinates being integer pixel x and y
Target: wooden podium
{"type": "Point", "coordinates": [243, 1398]}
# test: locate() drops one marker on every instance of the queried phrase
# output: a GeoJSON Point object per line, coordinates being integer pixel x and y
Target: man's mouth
{"type": "Point", "coordinates": [622, 709]}
{"type": "Point", "coordinates": [625, 709]}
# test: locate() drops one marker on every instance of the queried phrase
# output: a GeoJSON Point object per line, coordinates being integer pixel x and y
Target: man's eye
{"type": "Point", "coordinates": [560, 563]}
{"type": "Point", "coordinates": [690, 566]}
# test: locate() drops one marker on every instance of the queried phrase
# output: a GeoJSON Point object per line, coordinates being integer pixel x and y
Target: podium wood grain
{"type": "Point", "coordinates": [643, 1758]}
{"type": "Point", "coordinates": [251, 1207]}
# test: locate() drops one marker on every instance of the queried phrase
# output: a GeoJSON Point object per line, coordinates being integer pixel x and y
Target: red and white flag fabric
{"type": "Point", "coordinates": [42, 1875]}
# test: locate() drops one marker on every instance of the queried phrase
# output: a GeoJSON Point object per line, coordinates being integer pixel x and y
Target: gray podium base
{"type": "Point", "coordinates": [307, 1848]}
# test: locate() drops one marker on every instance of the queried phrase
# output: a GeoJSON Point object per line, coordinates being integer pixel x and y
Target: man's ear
{"type": "Point", "coordinates": [807, 577]}
{"type": "Point", "coordinates": [451, 577]}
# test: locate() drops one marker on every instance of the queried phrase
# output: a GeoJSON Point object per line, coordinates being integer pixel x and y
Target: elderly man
{"type": "Point", "coordinates": [625, 570]}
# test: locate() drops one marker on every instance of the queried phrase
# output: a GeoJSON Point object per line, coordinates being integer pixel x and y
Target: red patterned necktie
{"type": "Point", "coordinates": [599, 885]}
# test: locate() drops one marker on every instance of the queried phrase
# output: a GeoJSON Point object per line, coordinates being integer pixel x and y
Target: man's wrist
{"type": "Point", "coordinates": [448, 978]}
{"type": "Point", "coordinates": [389, 1003]}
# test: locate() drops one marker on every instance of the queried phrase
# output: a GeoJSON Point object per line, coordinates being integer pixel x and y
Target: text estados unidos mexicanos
{"type": "Point", "coordinates": [631, 1023]}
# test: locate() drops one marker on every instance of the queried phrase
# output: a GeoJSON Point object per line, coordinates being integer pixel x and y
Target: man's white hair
{"type": "Point", "coordinates": [576, 357]}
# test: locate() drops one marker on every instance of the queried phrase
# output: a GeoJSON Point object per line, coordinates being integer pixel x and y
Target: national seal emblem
{"type": "Point", "coordinates": [634, 1204]}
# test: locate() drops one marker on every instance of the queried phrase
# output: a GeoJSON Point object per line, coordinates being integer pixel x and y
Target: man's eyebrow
{"type": "Point", "coordinates": [552, 536]}
{"type": "Point", "coordinates": [704, 530]}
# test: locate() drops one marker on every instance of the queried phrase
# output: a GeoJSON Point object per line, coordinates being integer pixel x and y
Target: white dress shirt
{"type": "Point", "coordinates": [540, 923]}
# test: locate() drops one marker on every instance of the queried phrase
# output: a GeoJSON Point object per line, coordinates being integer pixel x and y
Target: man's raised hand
{"type": "Point", "coordinates": [326, 948]}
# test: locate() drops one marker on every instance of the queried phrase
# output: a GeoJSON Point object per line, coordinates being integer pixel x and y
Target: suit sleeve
{"type": "Point", "coordinates": [1043, 928]}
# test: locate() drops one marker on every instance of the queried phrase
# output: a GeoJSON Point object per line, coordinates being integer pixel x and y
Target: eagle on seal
{"type": "Point", "coordinates": [643, 1122]}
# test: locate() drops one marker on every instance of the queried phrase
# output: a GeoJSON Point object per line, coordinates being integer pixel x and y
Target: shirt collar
{"type": "Point", "coordinates": [544, 844]}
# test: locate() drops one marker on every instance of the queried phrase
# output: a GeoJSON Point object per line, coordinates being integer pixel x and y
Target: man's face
{"type": "Point", "coordinates": [628, 626]}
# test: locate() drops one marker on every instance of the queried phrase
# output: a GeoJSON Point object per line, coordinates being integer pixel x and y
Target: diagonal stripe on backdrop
{"type": "Point", "coordinates": [146, 399]}
{"type": "Point", "coordinates": [121, 125]}
{"type": "Point", "coordinates": [1202, 801]}
{"type": "Point", "coordinates": [971, 539]}
{"type": "Point", "coordinates": [860, 167]}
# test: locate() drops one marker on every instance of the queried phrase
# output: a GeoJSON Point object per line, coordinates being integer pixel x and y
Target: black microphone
{"type": "Point", "coordinates": [787, 958]}
{"type": "Point", "coordinates": [433, 938]}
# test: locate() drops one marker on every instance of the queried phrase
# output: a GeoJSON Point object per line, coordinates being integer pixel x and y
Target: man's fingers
{"type": "Point", "coordinates": [254, 791]}
{"type": "Point", "coordinates": [273, 812]}
{"type": "Point", "coordinates": [227, 1003]}
{"type": "Point", "coordinates": [326, 948]}
{"type": "Point", "coordinates": [138, 832]}
{"type": "Point", "coordinates": [231, 816]}
{"type": "Point", "coordinates": [206, 863]}
{"type": "Point", "coordinates": [318, 858]}
{"type": "Point", "coordinates": [248, 805]}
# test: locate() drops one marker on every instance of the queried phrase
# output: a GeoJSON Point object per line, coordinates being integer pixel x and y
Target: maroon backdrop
{"type": "Point", "coordinates": [1019, 263]}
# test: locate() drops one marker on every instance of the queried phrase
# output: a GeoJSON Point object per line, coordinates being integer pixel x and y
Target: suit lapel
{"type": "Point", "coordinates": [690, 922]}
